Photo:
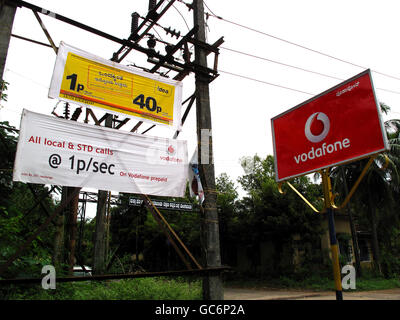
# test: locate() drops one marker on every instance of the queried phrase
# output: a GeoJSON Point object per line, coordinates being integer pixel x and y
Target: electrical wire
{"type": "Point", "coordinates": [295, 44]}
{"type": "Point", "coordinates": [181, 16]}
{"type": "Point", "coordinates": [298, 68]}
{"type": "Point", "coordinates": [31, 80]}
{"type": "Point", "coordinates": [6, 109]}
{"type": "Point", "coordinates": [280, 63]}
{"type": "Point", "coordinates": [265, 82]}
{"type": "Point", "coordinates": [209, 9]}
{"type": "Point", "coordinates": [273, 61]}
{"type": "Point", "coordinates": [283, 87]}
{"type": "Point", "coordinates": [159, 37]}
{"type": "Point", "coordinates": [289, 42]}
{"type": "Point", "coordinates": [181, 36]}
{"type": "Point", "coordinates": [263, 58]}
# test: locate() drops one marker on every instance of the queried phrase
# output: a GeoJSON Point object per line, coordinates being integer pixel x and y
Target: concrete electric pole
{"type": "Point", "coordinates": [212, 284]}
{"type": "Point", "coordinates": [99, 250]}
{"type": "Point", "coordinates": [7, 14]}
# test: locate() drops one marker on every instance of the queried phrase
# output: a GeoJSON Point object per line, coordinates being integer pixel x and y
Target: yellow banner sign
{"type": "Point", "coordinates": [82, 78]}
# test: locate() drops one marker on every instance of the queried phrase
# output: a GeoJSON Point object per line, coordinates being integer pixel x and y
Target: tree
{"type": "Point", "coordinates": [21, 214]}
{"type": "Point", "coordinates": [267, 215]}
{"type": "Point", "coordinates": [138, 237]}
{"type": "Point", "coordinates": [375, 195]}
{"type": "Point", "coordinates": [3, 88]}
{"type": "Point", "coordinates": [227, 213]}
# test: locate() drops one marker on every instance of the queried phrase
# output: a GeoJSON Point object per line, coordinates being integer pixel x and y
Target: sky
{"type": "Point", "coordinates": [364, 33]}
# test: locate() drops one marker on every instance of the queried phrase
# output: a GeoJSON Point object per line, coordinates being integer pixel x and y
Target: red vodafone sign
{"type": "Point", "coordinates": [340, 125]}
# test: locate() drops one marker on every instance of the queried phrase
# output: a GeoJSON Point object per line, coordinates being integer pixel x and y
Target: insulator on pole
{"type": "Point", "coordinates": [76, 114]}
{"type": "Point", "coordinates": [173, 32]}
{"type": "Point", "coordinates": [134, 22]}
{"type": "Point", "coordinates": [168, 48]}
{"type": "Point", "coordinates": [151, 43]}
{"type": "Point", "coordinates": [66, 110]}
{"type": "Point", "coordinates": [152, 4]}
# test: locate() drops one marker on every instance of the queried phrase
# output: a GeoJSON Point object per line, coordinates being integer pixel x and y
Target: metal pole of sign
{"type": "Point", "coordinates": [329, 208]}
{"type": "Point", "coordinates": [329, 205]}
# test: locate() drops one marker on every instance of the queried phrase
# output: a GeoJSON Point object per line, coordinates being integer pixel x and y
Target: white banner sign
{"type": "Point", "coordinates": [63, 152]}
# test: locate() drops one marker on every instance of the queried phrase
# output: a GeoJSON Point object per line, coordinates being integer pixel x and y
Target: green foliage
{"type": "Point", "coordinates": [390, 262]}
{"type": "Point", "coordinates": [261, 216]}
{"type": "Point", "coordinates": [228, 216]}
{"type": "Point", "coordinates": [3, 89]}
{"type": "Point", "coordinates": [128, 289]}
{"type": "Point", "coordinates": [316, 282]}
{"type": "Point", "coordinates": [376, 199]}
{"type": "Point", "coordinates": [266, 215]}
{"type": "Point", "coordinates": [19, 216]}
{"type": "Point", "coordinates": [140, 243]}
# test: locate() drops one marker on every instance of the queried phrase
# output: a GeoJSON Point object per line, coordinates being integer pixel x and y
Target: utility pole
{"type": "Point", "coordinates": [212, 285]}
{"type": "Point", "coordinates": [7, 14]}
{"type": "Point", "coordinates": [99, 252]}
{"type": "Point", "coordinates": [70, 217]}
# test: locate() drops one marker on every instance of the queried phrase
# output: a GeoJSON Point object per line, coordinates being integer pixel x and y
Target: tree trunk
{"type": "Point", "coordinates": [99, 241]}
{"type": "Point", "coordinates": [374, 231]}
{"type": "Point", "coordinates": [73, 230]}
{"type": "Point", "coordinates": [352, 228]}
{"type": "Point", "coordinates": [354, 239]}
{"type": "Point", "coordinates": [58, 248]}
{"type": "Point", "coordinates": [70, 231]}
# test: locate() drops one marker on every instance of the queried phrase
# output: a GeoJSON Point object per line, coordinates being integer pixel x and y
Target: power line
{"type": "Point", "coordinates": [295, 67]}
{"type": "Point", "coordinates": [31, 80]}
{"type": "Point", "coordinates": [280, 63]}
{"type": "Point", "coordinates": [296, 44]}
{"type": "Point", "coordinates": [209, 9]}
{"type": "Point", "coordinates": [265, 82]}
{"type": "Point", "coordinates": [288, 88]}
{"type": "Point", "coordinates": [387, 90]}
{"type": "Point", "coordinates": [6, 109]}
{"type": "Point", "coordinates": [181, 16]}
{"type": "Point", "coordinates": [273, 61]}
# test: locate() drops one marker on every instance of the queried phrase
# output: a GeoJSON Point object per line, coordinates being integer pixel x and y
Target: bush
{"type": "Point", "coordinates": [390, 264]}
{"type": "Point", "coordinates": [127, 289]}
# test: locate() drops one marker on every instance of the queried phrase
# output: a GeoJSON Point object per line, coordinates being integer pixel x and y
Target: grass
{"type": "Point", "coordinates": [377, 284]}
{"type": "Point", "coordinates": [178, 288]}
{"type": "Point", "coordinates": [131, 289]}
{"type": "Point", "coordinates": [315, 283]}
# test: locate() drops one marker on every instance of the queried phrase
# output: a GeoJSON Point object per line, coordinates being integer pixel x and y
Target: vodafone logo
{"type": "Point", "coordinates": [317, 127]}
{"type": "Point", "coordinates": [171, 150]}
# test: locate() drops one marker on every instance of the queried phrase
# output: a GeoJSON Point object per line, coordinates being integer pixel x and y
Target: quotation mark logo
{"type": "Point", "coordinates": [317, 127]}
{"type": "Point", "coordinates": [54, 161]}
{"type": "Point", "coordinates": [171, 150]}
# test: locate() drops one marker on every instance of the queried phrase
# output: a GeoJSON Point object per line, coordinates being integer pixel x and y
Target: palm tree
{"type": "Point", "coordinates": [378, 186]}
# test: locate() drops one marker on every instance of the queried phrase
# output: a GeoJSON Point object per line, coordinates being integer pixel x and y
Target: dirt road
{"type": "Point", "coordinates": [278, 294]}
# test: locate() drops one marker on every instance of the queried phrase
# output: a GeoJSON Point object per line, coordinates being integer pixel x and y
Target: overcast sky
{"type": "Point", "coordinates": [362, 32]}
